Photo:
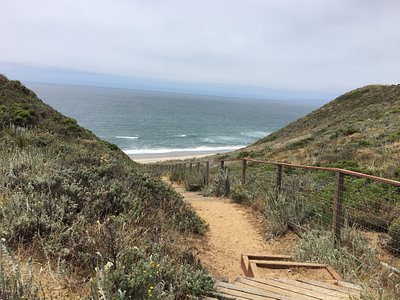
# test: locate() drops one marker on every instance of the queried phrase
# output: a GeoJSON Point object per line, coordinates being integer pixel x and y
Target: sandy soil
{"type": "Point", "coordinates": [233, 231]}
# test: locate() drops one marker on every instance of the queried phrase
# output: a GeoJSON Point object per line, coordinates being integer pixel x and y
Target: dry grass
{"type": "Point", "coordinates": [362, 125]}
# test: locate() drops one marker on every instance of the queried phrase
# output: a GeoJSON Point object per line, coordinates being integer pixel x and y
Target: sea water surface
{"type": "Point", "coordinates": [151, 123]}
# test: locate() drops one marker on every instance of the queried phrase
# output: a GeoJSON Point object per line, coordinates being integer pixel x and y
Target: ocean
{"type": "Point", "coordinates": [157, 123]}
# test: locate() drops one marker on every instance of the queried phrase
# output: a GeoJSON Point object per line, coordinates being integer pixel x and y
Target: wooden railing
{"type": "Point", "coordinates": [337, 210]}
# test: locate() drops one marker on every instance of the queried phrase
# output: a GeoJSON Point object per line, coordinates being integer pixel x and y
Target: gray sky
{"type": "Point", "coordinates": [310, 48]}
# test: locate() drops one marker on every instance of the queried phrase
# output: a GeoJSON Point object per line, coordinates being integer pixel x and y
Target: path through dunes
{"type": "Point", "coordinates": [232, 231]}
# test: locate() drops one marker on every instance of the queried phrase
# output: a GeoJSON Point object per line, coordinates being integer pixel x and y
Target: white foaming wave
{"type": "Point", "coordinates": [221, 139]}
{"type": "Point", "coordinates": [256, 134]}
{"type": "Point", "coordinates": [127, 137]}
{"type": "Point", "coordinates": [180, 135]}
{"type": "Point", "coordinates": [172, 150]}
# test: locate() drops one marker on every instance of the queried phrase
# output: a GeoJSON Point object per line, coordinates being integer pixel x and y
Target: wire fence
{"type": "Point", "coordinates": [301, 197]}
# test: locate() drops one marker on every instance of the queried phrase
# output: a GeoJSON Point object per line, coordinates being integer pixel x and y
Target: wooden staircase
{"type": "Point", "coordinates": [246, 288]}
{"type": "Point", "coordinates": [287, 285]}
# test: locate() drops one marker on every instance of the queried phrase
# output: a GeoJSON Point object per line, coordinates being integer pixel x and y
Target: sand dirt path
{"type": "Point", "coordinates": [233, 230]}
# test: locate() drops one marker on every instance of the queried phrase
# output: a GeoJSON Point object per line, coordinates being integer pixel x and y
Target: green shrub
{"type": "Point", "coordinates": [347, 131]}
{"type": "Point", "coordinates": [194, 181]}
{"type": "Point", "coordinates": [355, 257]}
{"type": "Point", "coordinates": [280, 210]}
{"type": "Point", "coordinates": [300, 144]}
{"type": "Point", "coordinates": [111, 146]}
{"type": "Point", "coordinates": [177, 174]}
{"type": "Point", "coordinates": [156, 276]}
{"type": "Point", "coordinates": [355, 260]}
{"type": "Point", "coordinates": [346, 164]}
{"type": "Point", "coordinates": [244, 154]}
{"type": "Point", "coordinates": [364, 143]}
{"type": "Point", "coordinates": [221, 184]}
{"type": "Point", "coordinates": [23, 117]}
{"type": "Point", "coordinates": [393, 137]}
{"type": "Point", "coordinates": [239, 194]}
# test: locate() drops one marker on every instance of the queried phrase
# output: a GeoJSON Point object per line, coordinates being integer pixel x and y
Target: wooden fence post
{"type": "Point", "coordinates": [338, 220]}
{"type": "Point", "coordinates": [207, 172]}
{"type": "Point", "coordinates": [244, 166]}
{"type": "Point", "coordinates": [278, 179]}
{"type": "Point", "coordinates": [198, 167]}
{"type": "Point", "coordinates": [222, 165]}
{"type": "Point", "coordinates": [190, 167]}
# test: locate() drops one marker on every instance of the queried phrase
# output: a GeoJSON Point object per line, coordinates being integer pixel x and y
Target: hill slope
{"type": "Point", "coordinates": [359, 130]}
{"type": "Point", "coordinates": [70, 197]}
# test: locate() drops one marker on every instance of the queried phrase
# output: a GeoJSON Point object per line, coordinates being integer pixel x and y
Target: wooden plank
{"type": "Point", "coordinates": [334, 274]}
{"type": "Point", "coordinates": [278, 290]}
{"type": "Point", "coordinates": [285, 264]}
{"type": "Point", "coordinates": [247, 259]}
{"type": "Point", "coordinates": [242, 294]}
{"type": "Point", "coordinates": [269, 257]}
{"type": "Point", "coordinates": [253, 269]}
{"type": "Point", "coordinates": [245, 264]}
{"type": "Point", "coordinates": [340, 289]}
{"type": "Point", "coordinates": [303, 290]}
{"type": "Point", "coordinates": [251, 291]}
{"type": "Point", "coordinates": [330, 286]}
{"type": "Point", "coordinates": [327, 293]}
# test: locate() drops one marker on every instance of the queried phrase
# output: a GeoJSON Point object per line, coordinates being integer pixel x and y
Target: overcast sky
{"type": "Point", "coordinates": [310, 48]}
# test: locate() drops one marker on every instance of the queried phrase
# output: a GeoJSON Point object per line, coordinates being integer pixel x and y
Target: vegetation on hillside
{"type": "Point", "coordinates": [359, 130]}
{"type": "Point", "coordinates": [82, 206]}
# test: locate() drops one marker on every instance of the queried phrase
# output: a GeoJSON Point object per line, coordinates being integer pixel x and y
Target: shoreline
{"type": "Point", "coordinates": [181, 155]}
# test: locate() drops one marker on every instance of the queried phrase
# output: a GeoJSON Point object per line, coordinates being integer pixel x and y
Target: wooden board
{"type": "Point", "coordinates": [258, 266]}
{"type": "Point", "coordinates": [245, 288]}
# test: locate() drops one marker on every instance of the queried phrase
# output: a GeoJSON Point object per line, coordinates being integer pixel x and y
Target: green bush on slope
{"type": "Point", "coordinates": [63, 191]}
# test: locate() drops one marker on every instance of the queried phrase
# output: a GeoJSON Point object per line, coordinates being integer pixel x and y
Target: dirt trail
{"type": "Point", "coordinates": [232, 231]}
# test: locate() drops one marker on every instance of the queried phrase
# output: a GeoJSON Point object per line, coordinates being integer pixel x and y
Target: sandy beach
{"type": "Point", "coordinates": [160, 157]}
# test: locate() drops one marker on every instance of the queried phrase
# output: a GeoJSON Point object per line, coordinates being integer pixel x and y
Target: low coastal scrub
{"type": "Point", "coordinates": [70, 198]}
{"type": "Point", "coordinates": [356, 260]}
{"type": "Point", "coordinates": [194, 181]}
{"type": "Point", "coordinates": [221, 184]}
{"type": "Point", "coordinates": [150, 277]}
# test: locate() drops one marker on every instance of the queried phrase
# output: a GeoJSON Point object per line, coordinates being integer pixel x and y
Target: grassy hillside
{"type": "Point", "coordinates": [82, 205]}
{"type": "Point", "coordinates": [359, 130]}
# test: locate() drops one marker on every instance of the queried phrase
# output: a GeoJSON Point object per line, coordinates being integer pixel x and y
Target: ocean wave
{"type": "Point", "coordinates": [172, 150]}
{"type": "Point", "coordinates": [222, 139]}
{"type": "Point", "coordinates": [255, 134]}
{"type": "Point", "coordinates": [180, 135]}
{"type": "Point", "coordinates": [127, 137]}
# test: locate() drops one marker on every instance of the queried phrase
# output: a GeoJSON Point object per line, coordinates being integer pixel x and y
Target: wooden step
{"type": "Point", "coordinates": [246, 288]}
